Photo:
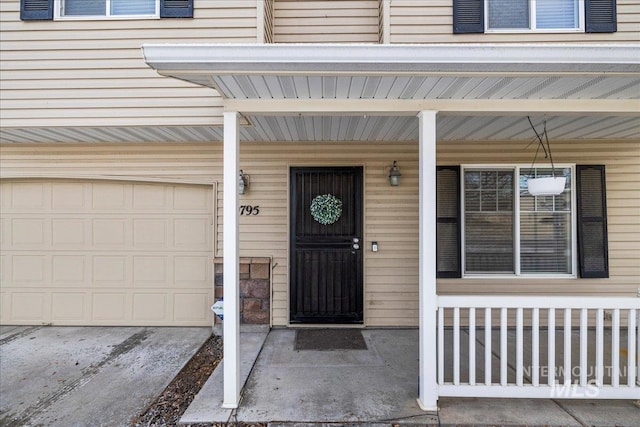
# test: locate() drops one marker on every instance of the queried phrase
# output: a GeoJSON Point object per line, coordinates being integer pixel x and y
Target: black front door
{"type": "Point", "coordinates": [326, 245]}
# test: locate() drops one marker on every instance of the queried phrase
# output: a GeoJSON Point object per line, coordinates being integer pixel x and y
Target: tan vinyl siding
{"type": "Point", "coordinates": [92, 73]}
{"type": "Point", "coordinates": [432, 22]}
{"type": "Point", "coordinates": [391, 275]}
{"type": "Point", "coordinates": [322, 21]}
{"type": "Point", "coordinates": [268, 21]}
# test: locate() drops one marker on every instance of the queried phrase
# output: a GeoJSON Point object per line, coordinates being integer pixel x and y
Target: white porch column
{"type": "Point", "coordinates": [231, 273]}
{"type": "Point", "coordinates": [428, 399]}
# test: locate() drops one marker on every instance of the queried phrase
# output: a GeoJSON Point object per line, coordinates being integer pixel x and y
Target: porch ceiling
{"type": "Point", "coordinates": [266, 74]}
{"type": "Point", "coordinates": [347, 128]}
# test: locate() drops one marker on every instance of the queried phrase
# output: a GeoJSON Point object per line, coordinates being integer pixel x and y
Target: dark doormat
{"type": "Point", "coordinates": [330, 339]}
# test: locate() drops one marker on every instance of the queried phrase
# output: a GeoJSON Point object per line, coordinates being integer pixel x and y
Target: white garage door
{"type": "Point", "coordinates": [106, 253]}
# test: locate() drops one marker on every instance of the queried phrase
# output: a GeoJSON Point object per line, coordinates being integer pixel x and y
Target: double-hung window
{"type": "Point", "coordinates": [534, 15]}
{"type": "Point", "coordinates": [47, 10]}
{"type": "Point", "coordinates": [507, 231]}
{"type": "Point", "coordinates": [108, 8]}
{"type": "Point", "coordinates": [495, 16]}
{"type": "Point", "coordinates": [487, 223]}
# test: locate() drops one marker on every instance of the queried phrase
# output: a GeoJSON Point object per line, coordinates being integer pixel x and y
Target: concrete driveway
{"type": "Point", "coordinates": [88, 376]}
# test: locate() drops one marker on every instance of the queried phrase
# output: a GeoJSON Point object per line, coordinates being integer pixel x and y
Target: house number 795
{"type": "Point", "coordinates": [249, 210]}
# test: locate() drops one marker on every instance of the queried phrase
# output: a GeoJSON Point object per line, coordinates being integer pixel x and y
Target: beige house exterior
{"type": "Point", "coordinates": [112, 157]}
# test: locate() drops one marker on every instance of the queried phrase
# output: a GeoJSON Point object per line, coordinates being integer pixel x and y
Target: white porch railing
{"type": "Point", "coordinates": [509, 359]}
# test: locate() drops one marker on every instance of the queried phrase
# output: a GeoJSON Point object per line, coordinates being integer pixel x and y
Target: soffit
{"type": "Point", "coordinates": [346, 128]}
{"type": "Point", "coordinates": [396, 72]}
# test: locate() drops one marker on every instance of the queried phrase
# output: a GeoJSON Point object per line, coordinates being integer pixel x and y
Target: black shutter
{"type": "Point", "coordinates": [176, 8]}
{"type": "Point", "coordinates": [448, 222]}
{"type": "Point", "coordinates": [468, 16]}
{"type": "Point", "coordinates": [36, 10]}
{"type": "Point", "coordinates": [600, 16]}
{"type": "Point", "coordinates": [593, 251]}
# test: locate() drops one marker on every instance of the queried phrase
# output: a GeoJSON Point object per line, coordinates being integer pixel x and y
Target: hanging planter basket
{"type": "Point", "coordinates": [547, 186]}
{"type": "Point", "coordinates": [550, 185]}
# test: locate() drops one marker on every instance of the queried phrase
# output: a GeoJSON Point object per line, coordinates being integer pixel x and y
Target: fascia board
{"type": "Point", "coordinates": [415, 59]}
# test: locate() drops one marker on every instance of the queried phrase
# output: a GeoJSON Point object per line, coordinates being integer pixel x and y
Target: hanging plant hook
{"type": "Point", "coordinates": [546, 137]}
{"type": "Point", "coordinates": [541, 143]}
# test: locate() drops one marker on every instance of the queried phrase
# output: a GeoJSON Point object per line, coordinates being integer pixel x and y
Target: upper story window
{"type": "Point", "coordinates": [531, 15]}
{"type": "Point", "coordinates": [108, 8]}
{"type": "Point", "coordinates": [47, 10]}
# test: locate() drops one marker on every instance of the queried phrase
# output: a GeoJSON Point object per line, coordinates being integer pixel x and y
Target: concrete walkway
{"type": "Point", "coordinates": [377, 386]}
{"type": "Point", "coordinates": [88, 376]}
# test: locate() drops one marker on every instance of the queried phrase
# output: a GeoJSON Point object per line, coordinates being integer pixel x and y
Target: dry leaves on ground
{"type": "Point", "coordinates": [169, 406]}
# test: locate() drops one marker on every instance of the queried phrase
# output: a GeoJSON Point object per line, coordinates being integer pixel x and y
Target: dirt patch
{"type": "Point", "coordinates": [169, 406]}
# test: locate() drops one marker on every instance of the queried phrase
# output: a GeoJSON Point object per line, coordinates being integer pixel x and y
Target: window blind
{"type": "Point", "coordinates": [557, 14]}
{"type": "Point", "coordinates": [85, 8]}
{"type": "Point", "coordinates": [545, 227]}
{"type": "Point", "coordinates": [133, 7]}
{"type": "Point", "coordinates": [489, 222]}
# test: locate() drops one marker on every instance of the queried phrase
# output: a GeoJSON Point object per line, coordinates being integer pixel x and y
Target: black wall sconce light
{"type": "Point", "coordinates": [394, 175]}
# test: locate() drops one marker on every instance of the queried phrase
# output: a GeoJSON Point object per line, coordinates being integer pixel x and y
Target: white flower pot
{"type": "Point", "coordinates": [548, 186]}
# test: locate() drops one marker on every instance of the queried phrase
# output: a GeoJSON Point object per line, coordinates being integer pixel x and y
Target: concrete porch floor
{"type": "Point", "coordinates": [374, 386]}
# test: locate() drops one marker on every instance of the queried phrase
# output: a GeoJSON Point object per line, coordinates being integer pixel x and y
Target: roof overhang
{"type": "Point", "coordinates": [401, 59]}
{"type": "Point", "coordinates": [482, 89]}
{"type": "Point", "coordinates": [357, 92]}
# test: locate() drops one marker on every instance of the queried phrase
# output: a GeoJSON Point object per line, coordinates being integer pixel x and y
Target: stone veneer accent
{"type": "Point", "coordinates": [255, 289]}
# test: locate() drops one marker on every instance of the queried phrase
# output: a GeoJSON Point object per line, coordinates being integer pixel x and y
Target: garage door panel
{"type": "Point", "coordinates": [111, 270]}
{"type": "Point", "coordinates": [190, 271]}
{"type": "Point", "coordinates": [70, 270]}
{"type": "Point", "coordinates": [190, 307]}
{"type": "Point", "coordinates": [29, 306]}
{"type": "Point", "coordinates": [152, 271]}
{"type": "Point", "coordinates": [150, 233]}
{"type": "Point", "coordinates": [69, 306]}
{"type": "Point", "coordinates": [151, 307]}
{"type": "Point", "coordinates": [5, 276]}
{"type": "Point", "coordinates": [109, 306]}
{"type": "Point", "coordinates": [4, 230]}
{"type": "Point", "coordinates": [151, 197]}
{"type": "Point", "coordinates": [106, 253]}
{"type": "Point", "coordinates": [71, 232]}
{"type": "Point", "coordinates": [29, 269]}
{"type": "Point", "coordinates": [28, 196]}
{"type": "Point", "coordinates": [4, 307]}
{"type": "Point", "coordinates": [193, 233]}
{"type": "Point", "coordinates": [110, 232]}
{"type": "Point", "coordinates": [191, 199]}
{"type": "Point", "coordinates": [67, 196]}
{"type": "Point", "coordinates": [29, 233]}
{"type": "Point", "coordinates": [110, 197]}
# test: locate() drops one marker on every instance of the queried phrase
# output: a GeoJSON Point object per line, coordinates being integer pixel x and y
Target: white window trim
{"type": "Point", "coordinates": [532, 22]}
{"type": "Point", "coordinates": [58, 16]}
{"type": "Point", "coordinates": [516, 168]}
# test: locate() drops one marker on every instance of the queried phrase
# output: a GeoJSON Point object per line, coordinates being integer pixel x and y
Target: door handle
{"type": "Point", "coordinates": [356, 246]}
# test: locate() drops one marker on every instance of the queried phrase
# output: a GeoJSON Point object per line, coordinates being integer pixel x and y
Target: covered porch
{"type": "Point", "coordinates": [425, 93]}
{"type": "Point", "coordinates": [378, 385]}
